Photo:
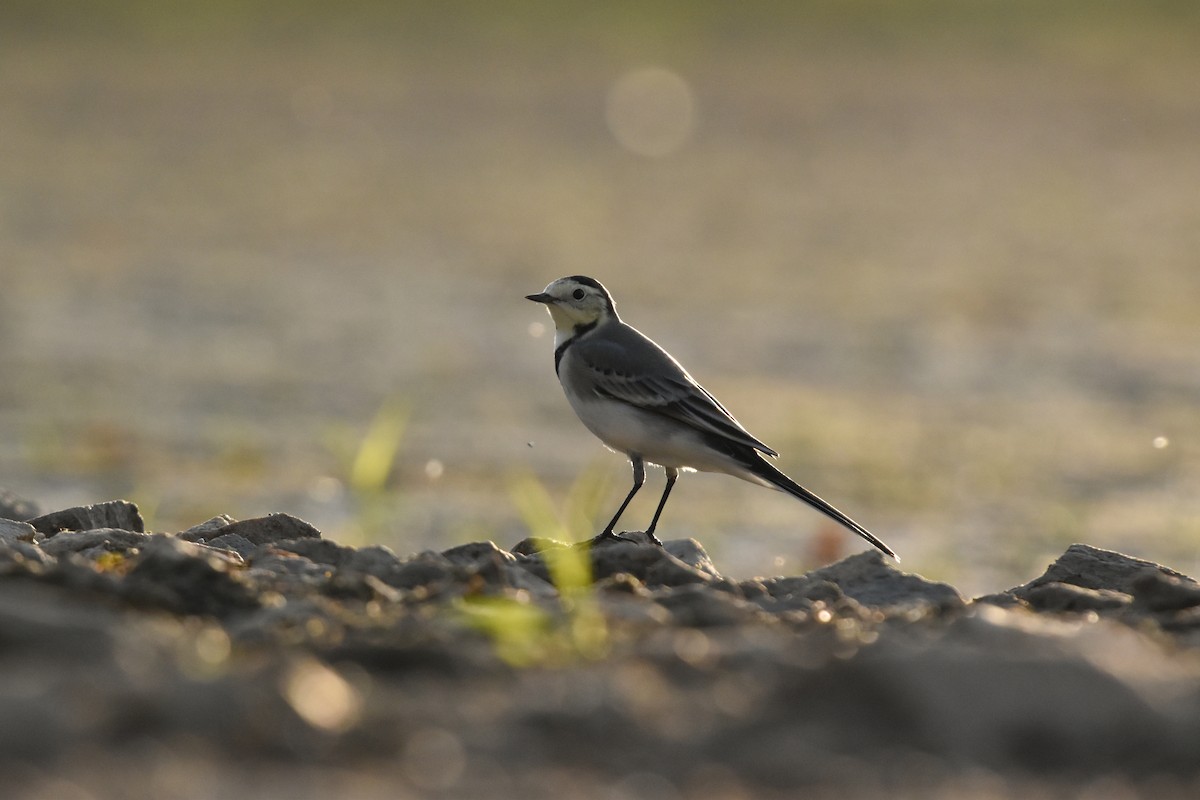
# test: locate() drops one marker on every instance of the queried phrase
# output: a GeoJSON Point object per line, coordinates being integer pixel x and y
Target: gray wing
{"type": "Point", "coordinates": [626, 365]}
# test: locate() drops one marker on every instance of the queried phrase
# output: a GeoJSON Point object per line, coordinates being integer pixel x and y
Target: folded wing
{"type": "Point", "coordinates": [628, 366]}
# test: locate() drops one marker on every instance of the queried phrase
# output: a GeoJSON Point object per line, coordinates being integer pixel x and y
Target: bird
{"type": "Point", "coordinates": [638, 400]}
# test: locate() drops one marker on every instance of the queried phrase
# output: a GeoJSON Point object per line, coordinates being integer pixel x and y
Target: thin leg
{"type": "Point", "coordinates": [672, 474]}
{"type": "Point", "coordinates": [639, 477]}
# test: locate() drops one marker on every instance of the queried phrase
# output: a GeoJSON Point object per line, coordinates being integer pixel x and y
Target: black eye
{"type": "Point", "coordinates": [577, 294]}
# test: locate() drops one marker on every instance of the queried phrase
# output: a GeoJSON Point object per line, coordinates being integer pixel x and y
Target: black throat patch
{"type": "Point", "coordinates": [580, 330]}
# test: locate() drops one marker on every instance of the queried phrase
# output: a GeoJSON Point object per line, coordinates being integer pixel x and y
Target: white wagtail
{"type": "Point", "coordinates": [639, 401]}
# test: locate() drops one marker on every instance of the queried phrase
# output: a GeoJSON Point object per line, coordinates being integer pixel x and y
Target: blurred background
{"type": "Point", "coordinates": [262, 256]}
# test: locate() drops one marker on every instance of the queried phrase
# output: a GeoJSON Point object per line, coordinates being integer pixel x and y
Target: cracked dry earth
{"type": "Point", "coordinates": [255, 658]}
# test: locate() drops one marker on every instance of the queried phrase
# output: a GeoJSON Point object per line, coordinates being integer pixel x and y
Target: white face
{"type": "Point", "coordinates": [572, 302]}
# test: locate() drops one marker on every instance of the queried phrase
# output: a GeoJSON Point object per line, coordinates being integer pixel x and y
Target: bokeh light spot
{"type": "Point", "coordinates": [322, 697]}
{"type": "Point", "coordinates": [651, 111]}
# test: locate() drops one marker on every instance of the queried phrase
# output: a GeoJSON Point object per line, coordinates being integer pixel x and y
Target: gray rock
{"type": "Point", "coordinates": [692, 553]}
{"type": "Point", "coordinates": [330, 553]}
{"type": "Point", "coordinates": [870, 580]}
{"type": "Point", "coordinates": [233, 543]}
{"type": "Point", "coordinates": [17, 545]}
{"type": "Point", "coordinates": [476, 554]}
{"type": "Point", "coordinates": [1067, 597]}
{"type": "Point", "coordinates": [292, 568]}
{"type": "Point", "coordinates": [114, 540]}
{"type": "Point", "coordinates": [430, 571]}
{"type": "Point", "coordinates": [1094, 568]}
{"type": "Point", "coordinates": [376, 560]}
{"type": "Point", "coordinates": [516, 577]}
{"type": "Point", "coordinates": [15, 507]}
{"type": "Point", "coordinates": [120, 514]}
{"type": "Point", "coordinates": [697, 606]}
{"type": "Point", "coordinates": [271, 528]}
{"type": "Point", "coordinates": [1155, 590]}
{"type": "Point", "coordinates": [186, 578]}
{"type": "Point", "coordinates": [13, 531]}
{"type": "Point", "coordinates": [649, 563]}
{"type": "Point", "coordinates": [207, 529]}
{"type": "Point", "coordinates": [534, 545]}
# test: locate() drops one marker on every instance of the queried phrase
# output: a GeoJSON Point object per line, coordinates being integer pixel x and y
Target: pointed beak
{"type": "Point", "coordinates": [540, 298]}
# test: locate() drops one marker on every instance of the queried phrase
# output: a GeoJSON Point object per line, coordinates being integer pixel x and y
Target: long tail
{"type": "Point", "coordinates": [762, 469]}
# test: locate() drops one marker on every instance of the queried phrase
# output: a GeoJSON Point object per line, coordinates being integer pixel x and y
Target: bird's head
{"type": "Point", "coordinates": [576, 301]}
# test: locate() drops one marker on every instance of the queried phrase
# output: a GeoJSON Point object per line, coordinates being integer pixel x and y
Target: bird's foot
{"type": "Point", "coordinates": [607, 537]}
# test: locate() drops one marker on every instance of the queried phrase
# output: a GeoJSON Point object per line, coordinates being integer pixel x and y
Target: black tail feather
{"type": "Point", "coordinates": [769, 473]}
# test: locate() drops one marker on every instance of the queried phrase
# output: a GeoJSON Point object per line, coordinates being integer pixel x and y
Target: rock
{"type": "Point", "coordinates": [15, 507]}
{"type": "Point", "coordinates": [294, 569]}
{"type": "Point", "coordinates": [1094, 568]}
{"type": "Point", "coordinates": [186, 578]}
{"type": "Point", "coordinates": [17, 546]}
{"type": "Point", "coordinates": [234, 543]}
{"type": "Point", "coordinates": [697, 606]}
{"type": "Point", "coordinates": [12, 531]}
{"type": "Point", "coordinates": [534, 545]}
{"type": "Point", "coordinates": [120, 514]}
{"type": "Point", "coordinates": [870, 580]}
{"type": "Point", "coordinates": [1156, 590]}
{"type": "Point", "coordinates": [113, 540]}
{"type": "Point", "coordinates": [375, 560]}
{"type": "Point", "coordinates": [430, 570]}
{"type": "Point", "coordinates": [692, 553]}
{"type": "Point", "coordinates": [1067, 597]}
{"type": "Point", "coordinates": [268, 529]}
{"type": "Point", "coordinates": [325, 551]}
{"type": "Point", "coordinates": [649, 563]}
{"type": "Point", "coordinates": [476, 554]}
{"type": "Point", "coordinates": [206, 529]}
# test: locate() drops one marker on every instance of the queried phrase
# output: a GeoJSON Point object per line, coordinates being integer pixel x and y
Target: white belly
{"type": "Point", "coordinates": [657, 439]}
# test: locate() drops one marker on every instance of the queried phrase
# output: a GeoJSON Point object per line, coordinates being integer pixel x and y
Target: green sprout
{"type": "Point", "coordinates": [377, 451]}
{"type": "Point", "coordinates": [525, 634]}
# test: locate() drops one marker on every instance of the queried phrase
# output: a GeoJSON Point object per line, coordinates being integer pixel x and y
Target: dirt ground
{"type": "Point", "coordinates": [944, 259]}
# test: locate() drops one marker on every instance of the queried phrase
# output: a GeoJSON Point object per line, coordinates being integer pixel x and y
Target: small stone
{"type": "Point", "coordinates": [1095, 568]}
{"type": "Point", "coordinates": [692, 553]}
{"type": "Point", "coordinates": [522, 579]}
{"type": "Point", "coordinates": [534, 545]}
{"type": "Point", "coordinates": [477, 553]}
{"type": "Point", "coordinates": [652, 564]}
{"type": "Point", "coordinates": [207, 529]}
{"type": "Point", "coordinates": [234, 543]}
{"type": "Point", "coordinates": [1070, 598]}
{"type": "Point", "coordinates": [1155, 590]}
{"type": "Point", "coordinates": [120, 514]}
{"type": "Point", "coordinates": [870, 580]}
{"type": "Point", "coordinates": [427, 569]}
{"type": "Point", "coordinates": [13, 531]}
{"type": "Point", "coordinates": [376, 560]}
{"type": "Point", "coordinates": [697, 606]}
{"type": "Point", "coordinates": [289, 566]}
{"type": "Point", "coordinates": [115, 540]}
{"type": "Point", "coordinates": [272, 528]}
{"type": "Point", "coordinates": [187, 578]}
{"type": "Point", "coordinates": [321, 551]}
